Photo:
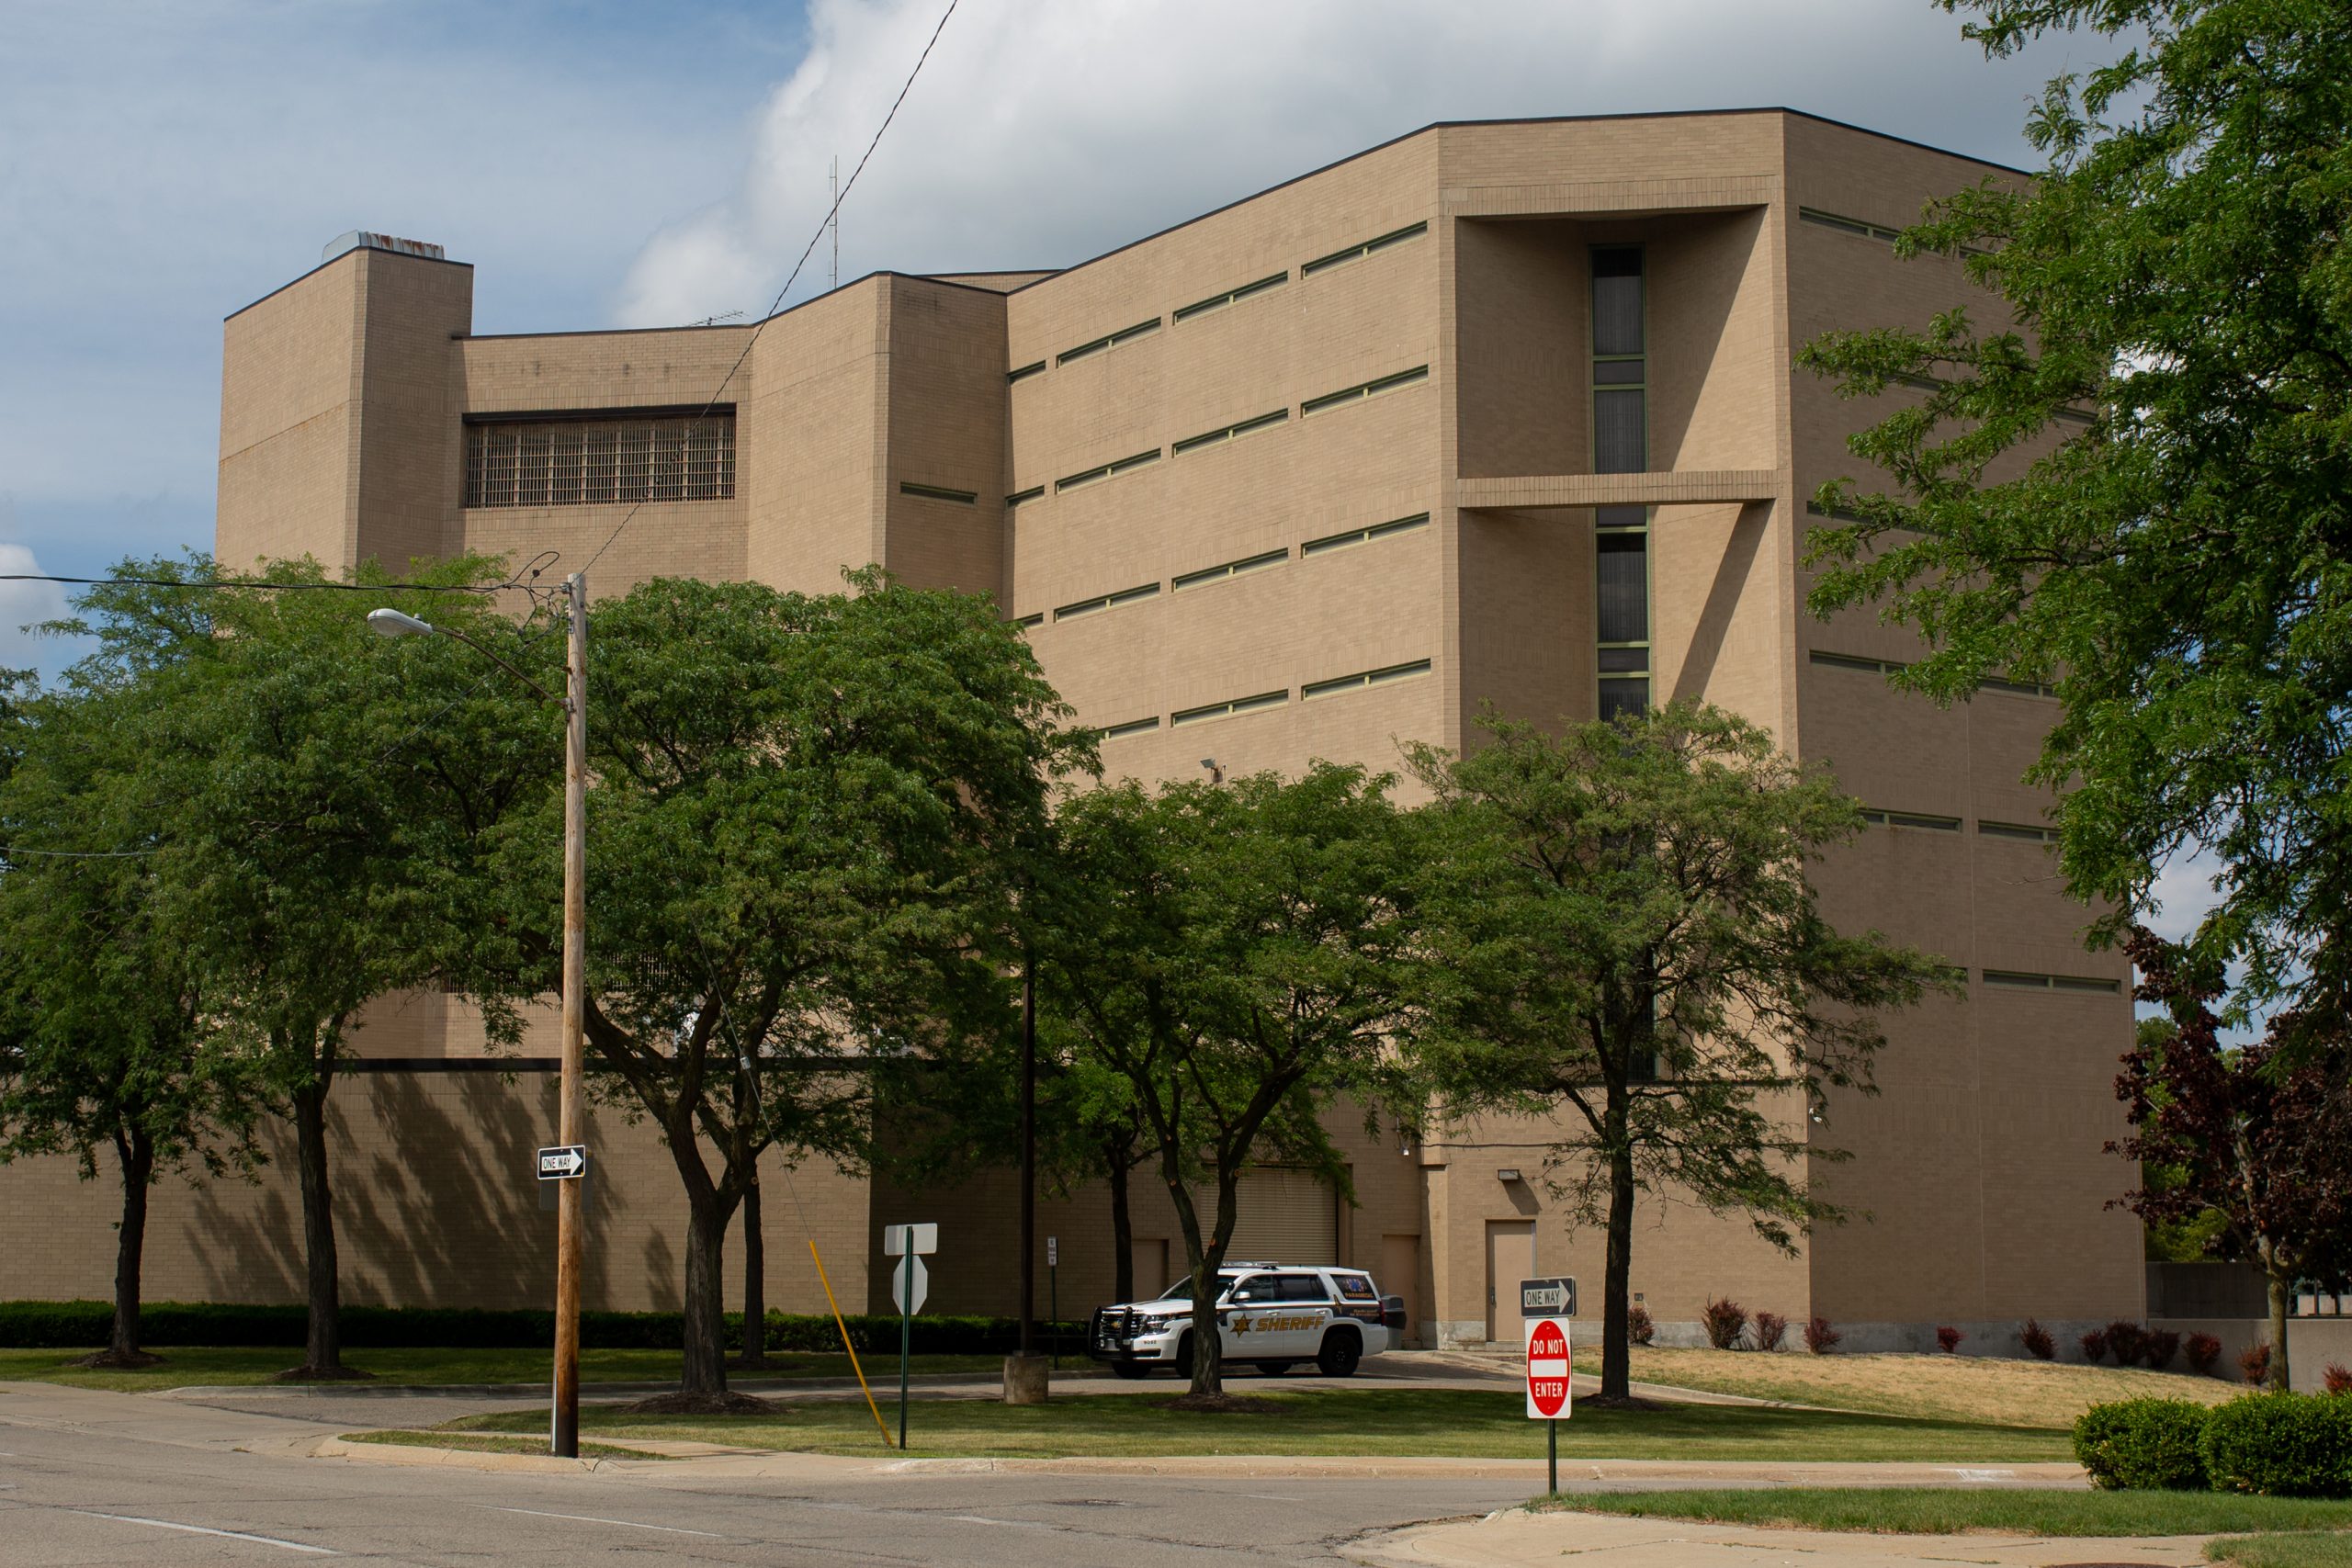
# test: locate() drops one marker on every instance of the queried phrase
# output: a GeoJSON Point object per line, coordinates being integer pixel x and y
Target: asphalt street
{"type": "Point", "coordinates": [111, 1479]}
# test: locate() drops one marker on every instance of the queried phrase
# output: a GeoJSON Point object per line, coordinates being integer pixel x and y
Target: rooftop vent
{"type": "Point", "coordinates": [361, 240]}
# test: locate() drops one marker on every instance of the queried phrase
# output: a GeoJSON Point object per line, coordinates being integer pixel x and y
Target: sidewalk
{"type": "Point", "coordinates": [1516, 1539]}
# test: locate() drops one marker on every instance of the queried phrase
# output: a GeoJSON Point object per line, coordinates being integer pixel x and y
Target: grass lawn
{"type": "Point", "coordinates": [1922, 1510]}
{"type": "Point", "coordinates": [488, 1443]}
{"type": "Point", "coordinates": [184, 1366]}
{"type": "Point", "coordinates": [2283, 1551]}
{"type": "Point", "coordinates": [1954, 1388]}
{"type": "Point", "coordinates": [1447, 1423]}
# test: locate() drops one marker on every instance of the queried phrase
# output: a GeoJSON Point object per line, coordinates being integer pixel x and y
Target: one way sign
{"type": "Point", "coordinates": [566, 1162]}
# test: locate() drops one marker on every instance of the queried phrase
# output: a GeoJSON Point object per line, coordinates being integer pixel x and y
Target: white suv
{"type": "Point", "coordinates": [1271, 1316]}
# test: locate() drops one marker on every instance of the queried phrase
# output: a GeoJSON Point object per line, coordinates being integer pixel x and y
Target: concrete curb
{"type": "Point", "coordinates": [457, 1458]}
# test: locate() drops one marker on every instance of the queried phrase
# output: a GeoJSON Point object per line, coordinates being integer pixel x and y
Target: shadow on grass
{"type": "Point", "coordinates": [1435, 1423]}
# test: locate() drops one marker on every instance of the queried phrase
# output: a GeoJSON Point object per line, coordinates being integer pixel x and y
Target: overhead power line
{"type": "Point", "coordinates": [832, 216]}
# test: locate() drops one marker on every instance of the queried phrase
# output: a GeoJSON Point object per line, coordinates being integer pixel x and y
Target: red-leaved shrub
{"type": "Point", "coordinates": [2336, 1378]}
{"type": "Point", "coordinates": [2157, 1348]}
{"type": "Point", "coordinates": [1726, 1320]}
{"type": "Point", "coordinates": [1820, 1337]}
{"type": "Point", "coordinates": [2036, 1341]}
{"type": "Point", "coordinates": [2095, 1346]}
{"type": "Point", "coordinates": [2203, 1352]}
{"type": "Point", "coordinates": [1948, 1338]}
{"type": "Point", "coordinates": [2124, 1340]}
{"type": "Point", "coordinates": [2255, 1363]}
{"type": "Point", "coordinates": [1639, 1327]}
{"type": "Point", "coordinates": [1771, 1329]}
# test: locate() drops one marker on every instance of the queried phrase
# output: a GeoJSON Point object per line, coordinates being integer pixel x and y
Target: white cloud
{"type": "Point", "coordinates": [1043, 132]}
{"type": "Point", "coordinates": [26, 604]}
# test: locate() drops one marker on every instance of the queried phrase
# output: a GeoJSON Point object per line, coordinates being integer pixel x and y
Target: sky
{"type": "Point", "coordinates": [163, 163]}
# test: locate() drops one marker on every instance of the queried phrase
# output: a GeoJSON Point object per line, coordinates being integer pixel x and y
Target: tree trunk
{"type": "Point", "coordinates": [1616, 1356]}
{"type": "Point", "coordinates": [1122, 1229]}
{"type": "Point", "coordinates": [703, 1369]}
{"type": "Point", "coordinates": [322, 1346]}
{"type": "Point", "coordinates": [1208, 1340]}
{"type": "Point", "coordinates": [137, 1155]}
{"type": "Point", "coordinates": [2282, 1287]}
{"type": "Point", "coordinates": [755, 1279]}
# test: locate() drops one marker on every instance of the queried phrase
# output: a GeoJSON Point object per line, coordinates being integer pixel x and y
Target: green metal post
{"type": "Point", "coordinates": [1053, 1310]}
{"type": "Point", "coordinates": [1551, 1431]}
{"type": "Point", "coordinates": [906, 1332]}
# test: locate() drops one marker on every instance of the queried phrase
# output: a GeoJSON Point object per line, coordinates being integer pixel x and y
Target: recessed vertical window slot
{"type": "Point", "coordinates": [1621, 602]}
{"type": "Point", "coordinates": [1620, 362]}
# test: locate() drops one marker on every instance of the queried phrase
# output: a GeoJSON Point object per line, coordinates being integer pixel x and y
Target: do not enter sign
{"type": "Point", "coordinates": [1547, 1369]}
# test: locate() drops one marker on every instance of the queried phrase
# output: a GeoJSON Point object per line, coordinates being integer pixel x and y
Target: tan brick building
{"type": "Point", "coordinates": [1491, 414]}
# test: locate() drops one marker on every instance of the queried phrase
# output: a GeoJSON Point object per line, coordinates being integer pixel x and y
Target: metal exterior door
{"type": "Point", "coordinates": [1510, 1258]}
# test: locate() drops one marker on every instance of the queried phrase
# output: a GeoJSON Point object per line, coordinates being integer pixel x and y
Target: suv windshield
{"type": "Point", "coordinates": [1182, 1291]}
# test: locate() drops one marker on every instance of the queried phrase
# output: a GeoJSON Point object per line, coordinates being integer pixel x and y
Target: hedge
{"type": "Point", "coordinates": [2143, 1444]}
{"type": "Point", "coordinates": [79, 1325]}
{"type": "Point", "coordinates": [2281, 1445]}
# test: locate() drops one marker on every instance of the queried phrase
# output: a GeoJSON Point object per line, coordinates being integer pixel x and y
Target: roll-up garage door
{"type": "Point", "coordinates": [1283, 1216]}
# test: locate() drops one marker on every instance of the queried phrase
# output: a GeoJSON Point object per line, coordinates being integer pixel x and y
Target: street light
{"type": "Point", "coordinates": [564, 1439]}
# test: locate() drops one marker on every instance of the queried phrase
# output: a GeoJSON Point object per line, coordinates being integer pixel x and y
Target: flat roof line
{"type": "Point", "coordinates": [405, 255]}
{"type": "Point", "coordinates": [1527, 119]}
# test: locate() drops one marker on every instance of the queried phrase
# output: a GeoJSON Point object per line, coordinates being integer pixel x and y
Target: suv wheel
{"type": "Point", "coordinates": [1184, 1358]}
{"type": "Point", "coordinates": [1340, 1353]}
{"type": "Point", "coordinates": [1129, 1369]}
{"type": "Point", "coordinates": [1276, 1369]}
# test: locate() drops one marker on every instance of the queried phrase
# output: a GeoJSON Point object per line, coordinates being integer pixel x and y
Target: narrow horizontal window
{"type": "Point", "coordinates": [1850, 661]}
{"type": "Point", "coordinates": [1379, 243]}
{"type": "Point", "coordinates": [1025, 372]}
{"type": "Point", "coordinates": [1839, 513]}
{"type": "Point", "coordinates": [1231, 568]}
{"type": "Point", "coordinates": [1107, 470]}
{"type": "Point", "coordinates": [1032, 493]}
{"type": "Point", "coordinates": [938, 492]}
{"type": "Point", "coordinates": [2018, 688]}
{"type": "Point", "coordinates": [1133, 726]}
{"type": "Point", "coordinates": [1364, 535]}
{"type": "Point", "coordinates": [1626, 659]}
{"type": "Point", "coordinates": [1226, 709]}
{"type": "Point", "coordinates": [1217, 301]}
{"type": "Point", "coordinates": [1615, 517]}
{"type": "Point", "coordinates": [1878, 819]}
{"type": "Point", "coordinates": [1107, 602]}
{"type": "Point", "coordinates": [1867, 230]}
{"type": "Point", "coordinates": [1037, 619]}
{"type": "Point", "coordinates": [2017, 830]}
{"type": "Point", "coordinates": [1215, 437]}
{"type": "Point", "coordinates": [1380, 677]}
{"type": "Point", "coordinates": [2017, 980]}
{"type": "Point", "coordinates": [1369, 389]}
{"type": "Point", "coordinates": [1109, 340]}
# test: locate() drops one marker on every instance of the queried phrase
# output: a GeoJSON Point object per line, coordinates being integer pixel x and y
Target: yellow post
{"type": "Point", "coordinates": [878, 1422]}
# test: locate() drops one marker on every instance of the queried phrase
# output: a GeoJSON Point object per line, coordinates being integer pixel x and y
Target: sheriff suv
{"type": "Point", "coordinates": [1270, 1315]}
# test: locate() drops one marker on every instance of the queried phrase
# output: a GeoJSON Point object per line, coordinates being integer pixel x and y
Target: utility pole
{"type": "Point", "coordinates": [572, 1112]}
{"type": "Point", "coordinates": [833, 222]}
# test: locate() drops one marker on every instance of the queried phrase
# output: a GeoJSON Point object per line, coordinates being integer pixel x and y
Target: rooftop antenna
{"type": "Point", "coordinates": [833, 223]}
{"type": "Point", "coordinates": [714, 321]}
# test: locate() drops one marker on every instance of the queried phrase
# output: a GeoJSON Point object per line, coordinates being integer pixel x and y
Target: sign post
{"type": "Point", "coordinates": [1547, 1305]}
{"type": "Point", "coordinates": [1054, 1294]}
{"type": "Point", "coordinates": [910, 1284]}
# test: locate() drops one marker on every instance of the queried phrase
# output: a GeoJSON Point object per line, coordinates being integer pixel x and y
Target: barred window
{"type": "Point", "coordinates": [584, 460]}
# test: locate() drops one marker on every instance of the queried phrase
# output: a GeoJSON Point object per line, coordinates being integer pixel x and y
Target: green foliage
{"type": "Point", "coordinates": [1235, 956]}
{"type": "Point", "coordinates": [2143, 1444]}
{"type": "Point", "coordinates": [73, 1325]}
{"type": "Point", "coordinates": [2281, 1445]}
{"type": "Point", "coordinates": [1619, 928]}
{"type": "Point", "coordinates": [2131, 474]}
{"type": "Point", "coordinates": [806, 819]}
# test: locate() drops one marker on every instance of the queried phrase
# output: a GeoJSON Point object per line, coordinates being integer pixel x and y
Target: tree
{"type": "Point", "coordinates": [2247, 1144]}
{"type": "Point", "coordinates": [799, 838]}
{"type": "Point", "coordinates": [2140, 488]}
{"type": "Point", "coordinates": [317, 807]}
{"type": "Point", "coordinates": [1238, 956]}
{"type": "Point", "coordinates": [1619, 928]}
{"type": "Point", "coordinates": [104, 1040]}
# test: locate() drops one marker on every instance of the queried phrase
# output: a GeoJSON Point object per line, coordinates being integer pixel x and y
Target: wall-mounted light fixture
{"type": "Point", "coordinates": [1507, 1173]}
